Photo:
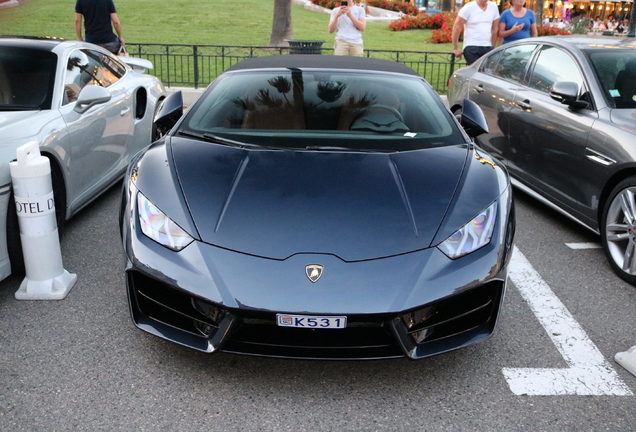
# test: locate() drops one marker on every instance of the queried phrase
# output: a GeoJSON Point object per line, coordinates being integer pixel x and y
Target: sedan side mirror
{"type": "Point", "coordinates": [473, 120]}
{"type": "Point", "coordinates": [90, 96]}
{"type": "Point", "coordinates": [567, 93]}
{"type": "Point", "coordinates": [170, 112]}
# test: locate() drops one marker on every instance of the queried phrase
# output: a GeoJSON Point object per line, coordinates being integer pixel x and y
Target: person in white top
{"type": "Point", "coordinates": [348, 22]}
{"type": "Point", "coordinates": [479, 20]}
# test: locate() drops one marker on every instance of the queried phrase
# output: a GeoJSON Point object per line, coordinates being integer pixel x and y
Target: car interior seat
{"type": "Point", "coordinates": [265, 109]}
{"type": "Point", "coordinates": [368, 100]}
{"type": "Point", "coordinates": [626, 85]}
{"type": "Point", "coordinates": [6, 97]}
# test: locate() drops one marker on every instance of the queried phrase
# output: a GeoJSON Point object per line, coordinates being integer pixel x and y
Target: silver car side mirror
{"type": "Point", "coordinates": [90, 96]}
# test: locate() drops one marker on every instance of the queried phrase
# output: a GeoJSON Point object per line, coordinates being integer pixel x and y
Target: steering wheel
{"type": "Point", "coordinates": [363, 111]}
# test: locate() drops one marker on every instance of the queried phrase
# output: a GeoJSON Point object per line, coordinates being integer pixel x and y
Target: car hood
{"type": "Point", "coordinates": [356, 206]}
{"type": "Point", "coordinates": [20, 124]}
{"type": "Point", "coordinates": [625, 118]}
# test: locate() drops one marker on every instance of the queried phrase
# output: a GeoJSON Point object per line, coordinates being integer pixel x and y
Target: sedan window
{"type": "Point", "coordinates": [489, 66]}
{"type": "Point", "coordinates": [513, 61]}
{"type": "Point", "coordinates": [552, 65]}
{"type": "Point", "coordinates": [616, 71]}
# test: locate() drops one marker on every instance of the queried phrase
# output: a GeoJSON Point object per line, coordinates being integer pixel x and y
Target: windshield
{"type": "Point", "coordinates": [318, 108]}
{"type": "Point", "coordinates": [616, 70]}
{"type": "Point", "coordinates": [26, 78]}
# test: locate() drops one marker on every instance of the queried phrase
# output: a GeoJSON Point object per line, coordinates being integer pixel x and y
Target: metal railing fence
{"type": "Point", "coordinates": [197, 65]}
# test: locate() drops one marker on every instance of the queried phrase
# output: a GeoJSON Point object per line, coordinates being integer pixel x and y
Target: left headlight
{"type": "Point", "coordinates": [159, 227]}
{"type": "Point", "coordinates": [472, 236]}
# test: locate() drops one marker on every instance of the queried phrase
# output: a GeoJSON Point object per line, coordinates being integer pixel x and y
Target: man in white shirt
{"type": "Point", "coordinates": [479, 20]}
{"type": "Point", "coordinates": [348, 22]}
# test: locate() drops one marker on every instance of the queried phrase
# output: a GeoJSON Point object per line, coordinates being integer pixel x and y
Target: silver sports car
{"type": "Point", "coordinates": [89, 111]}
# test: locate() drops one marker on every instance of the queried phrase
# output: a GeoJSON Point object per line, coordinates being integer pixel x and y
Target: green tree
{"type": "Point", "coordinates": [632, 23]}
{"type": "Point", "coordinates": [282, 23]}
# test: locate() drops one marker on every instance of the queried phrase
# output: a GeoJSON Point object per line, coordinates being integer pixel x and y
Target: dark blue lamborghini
{"type": "Point", "coordinates": [321, 207]}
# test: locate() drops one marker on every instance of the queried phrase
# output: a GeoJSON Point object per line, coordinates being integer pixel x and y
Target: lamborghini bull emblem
{"type": "Point", "coordinates": [313, 272]}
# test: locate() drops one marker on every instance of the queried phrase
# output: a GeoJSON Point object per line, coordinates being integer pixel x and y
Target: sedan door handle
{"type": "Point", "coordinates": [479, 88]}
{"type": "Point", "coordinates": [124, 111]}
{"type": "Point", "coordinates": [524, 105]}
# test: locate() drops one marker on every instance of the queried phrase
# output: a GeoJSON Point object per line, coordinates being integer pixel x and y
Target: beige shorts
{"type": "Point", "coordinates": [341, 47]}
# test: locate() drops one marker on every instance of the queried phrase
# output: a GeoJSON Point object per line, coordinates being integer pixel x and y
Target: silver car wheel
{"type": "Point", "coordinates": [620, 230]}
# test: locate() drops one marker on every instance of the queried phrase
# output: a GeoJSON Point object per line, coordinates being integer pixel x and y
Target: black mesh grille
{"type": "Point", "coordinates": [170, 306]}
{"type": "Point", "coordinates": [460, 313]}
{"type": "Point", "coordinates": [362, 341]}
{"type": "Point", "coordinates": [448, 324]}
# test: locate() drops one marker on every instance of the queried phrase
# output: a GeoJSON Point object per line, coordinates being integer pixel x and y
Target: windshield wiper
{"type": "Point", "coordinates": [220, 140]}
{"type": "Point", "coordinates": [348, 149]}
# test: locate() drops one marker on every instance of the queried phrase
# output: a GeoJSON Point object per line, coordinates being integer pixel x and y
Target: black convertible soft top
{"type": "Point", "coordinates": [317, 61]}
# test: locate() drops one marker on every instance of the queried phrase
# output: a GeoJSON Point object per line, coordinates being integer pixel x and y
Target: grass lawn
{"type": "Point", "coordinates": [247, 22]}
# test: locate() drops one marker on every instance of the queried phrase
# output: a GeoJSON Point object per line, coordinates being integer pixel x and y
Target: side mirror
{"type": "Point", "coordinates": [472, 119]}
{"type": "Point", "coordinates": [170, 112]}
{"type": "Point", "coordinates": [90, 96]}
{"type": "Point", "coordinates": [567, 93]}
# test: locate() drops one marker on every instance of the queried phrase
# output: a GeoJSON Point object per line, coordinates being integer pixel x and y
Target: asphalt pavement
{"type": "Point", "coordinates": [80, 364]}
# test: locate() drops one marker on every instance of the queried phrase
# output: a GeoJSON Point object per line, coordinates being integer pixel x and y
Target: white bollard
{"type": "Point", "coordinates": [627, 359]}
{"type": "Point", "coordinates": [45, 278]}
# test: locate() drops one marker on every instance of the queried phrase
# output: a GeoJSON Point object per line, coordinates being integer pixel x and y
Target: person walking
{"type": "Point", "coordinates": [348, 22]}
{"type": "Point", "coordinates": [99, 17]}
{"type": "Point", "coordinates": [517, 23]}
{"type": "Point", "coordinates": [479, 20]}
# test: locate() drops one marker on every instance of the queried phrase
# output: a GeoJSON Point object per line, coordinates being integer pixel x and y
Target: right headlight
{"type": "Point", "coordinates": [159, 227]}
{"type": "Point", "coordinates": [472, 236]}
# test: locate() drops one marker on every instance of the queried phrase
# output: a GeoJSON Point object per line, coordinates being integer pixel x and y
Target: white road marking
{"type": "Point", "coordinates": [588, 372]}
{"type": "Point", "coordinates": [588, 245]}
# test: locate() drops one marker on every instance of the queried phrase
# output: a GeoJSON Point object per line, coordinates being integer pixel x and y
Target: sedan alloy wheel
{"type": "Point", "coordinates": [619, 232]}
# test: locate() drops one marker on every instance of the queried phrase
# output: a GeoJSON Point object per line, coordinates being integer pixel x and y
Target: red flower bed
{"type": "Point", "coordinates": [329, 4]}
{"type": "Point", "coordinates": [441, 24]}
{"type": "Point", "coordinates": [551, 31]}
{"type": "Point", "coordinates": [395, 6]}
{"type": "Point", "coordinates": [423, 21]}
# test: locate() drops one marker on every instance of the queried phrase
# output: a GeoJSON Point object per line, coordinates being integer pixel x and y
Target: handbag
{"type": "Point", "coordinates": [122, 51]}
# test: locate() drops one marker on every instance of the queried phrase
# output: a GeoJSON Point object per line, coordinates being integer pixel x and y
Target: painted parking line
{"type": "Point", "coordinates": [588, 372]}
{"type": "Point", "coordinates": [588, 245]}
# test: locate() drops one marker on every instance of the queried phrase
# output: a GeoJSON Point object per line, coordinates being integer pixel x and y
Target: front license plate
{"type": "Point", "coordinates": [306, 321]}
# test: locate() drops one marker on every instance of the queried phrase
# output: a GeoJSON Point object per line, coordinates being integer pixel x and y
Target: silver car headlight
{"type": "Point", "coordinates": [159, 227]}
{"type": "Point", "coordinates": [472, 236]}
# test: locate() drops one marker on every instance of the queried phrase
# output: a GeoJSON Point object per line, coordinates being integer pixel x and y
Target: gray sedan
{"type": "Point", "coordinates": [562, 118]}
{"type": "Point", "coordinates": [88, 110]}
